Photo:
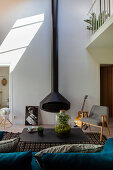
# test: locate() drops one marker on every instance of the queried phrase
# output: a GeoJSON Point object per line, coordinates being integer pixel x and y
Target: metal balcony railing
{"type": "Point", "coordinates": [99, 12]}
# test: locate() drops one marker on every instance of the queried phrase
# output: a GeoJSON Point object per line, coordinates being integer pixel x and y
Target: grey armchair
{"type": "Point", "coordinates": [98, 117]}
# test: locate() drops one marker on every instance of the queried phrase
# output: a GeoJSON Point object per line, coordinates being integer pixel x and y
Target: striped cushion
{"type": "Point", "coordinates": [9, 145]}
{"type": "Point", "coordinates": [69, 148]}
{"type": "Point", "coordinates": [81, 148]}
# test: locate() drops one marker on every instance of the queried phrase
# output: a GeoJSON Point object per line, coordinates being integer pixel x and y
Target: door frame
{"type": "Point", "coordinates": [10, 89]}
{"type": "Point", "coordinates": [108, 73]}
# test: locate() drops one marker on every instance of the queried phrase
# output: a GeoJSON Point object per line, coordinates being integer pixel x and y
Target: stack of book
{"type": "Point", "coordinates": [32, 129]}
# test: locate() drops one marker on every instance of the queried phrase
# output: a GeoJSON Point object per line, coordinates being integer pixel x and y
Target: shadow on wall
{"type": "Point", "coordinates": [23, 48]}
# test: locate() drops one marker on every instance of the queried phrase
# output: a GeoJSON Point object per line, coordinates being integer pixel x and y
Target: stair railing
{"type": "Point", "coordinates": [99, 12]}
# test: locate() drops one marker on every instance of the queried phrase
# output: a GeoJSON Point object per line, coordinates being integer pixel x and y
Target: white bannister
{"type": "Point", "coordinates": [99, 12]}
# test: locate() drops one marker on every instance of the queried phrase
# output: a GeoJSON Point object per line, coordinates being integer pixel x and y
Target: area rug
{"type": "Point", "coordinates": [94, 138]}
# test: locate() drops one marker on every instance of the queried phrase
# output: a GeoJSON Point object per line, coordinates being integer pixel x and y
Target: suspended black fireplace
{"type": "Point", "coordinates": [54, 102]}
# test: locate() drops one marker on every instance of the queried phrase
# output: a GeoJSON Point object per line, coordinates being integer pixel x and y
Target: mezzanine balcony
{"type": "Point", "coordinates": [100, 24]}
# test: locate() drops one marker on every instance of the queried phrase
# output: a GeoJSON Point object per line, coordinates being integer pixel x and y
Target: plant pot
{"type": "Point", "coordinates": [62, 127]}
{"type": "Point", "coordinates": [62, 132]}
{"type": "Point", "coordinates": [64, 135]}
{"type": "Point", "coordinates": [40, 133]}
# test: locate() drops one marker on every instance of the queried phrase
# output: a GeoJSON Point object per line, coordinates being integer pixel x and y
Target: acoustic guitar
{"type": "Point", "coordinates": [81, 113]}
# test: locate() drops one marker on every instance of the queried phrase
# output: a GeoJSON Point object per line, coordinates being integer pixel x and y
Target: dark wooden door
{"type": "Point", "coordinates": [106, 88]}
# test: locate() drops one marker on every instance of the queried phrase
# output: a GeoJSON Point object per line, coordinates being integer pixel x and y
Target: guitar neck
{"type": "Point", "coordinates": [83, 105]}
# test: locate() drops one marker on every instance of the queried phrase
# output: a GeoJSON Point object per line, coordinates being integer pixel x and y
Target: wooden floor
{"type": "Point", "coordinates": [19, 128]}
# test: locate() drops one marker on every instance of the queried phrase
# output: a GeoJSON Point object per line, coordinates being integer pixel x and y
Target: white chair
{"type": "Point", "coordinates": [4, 112]}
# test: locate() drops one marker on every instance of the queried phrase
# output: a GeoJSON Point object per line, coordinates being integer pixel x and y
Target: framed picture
{"type": "Point", "coordinates": [31, 115]}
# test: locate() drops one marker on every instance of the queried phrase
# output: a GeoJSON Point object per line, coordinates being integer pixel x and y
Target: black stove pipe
{"type": "Point", "coordinates": [54, 56]}
{"type": "Point", "coordinates": [54, 102]}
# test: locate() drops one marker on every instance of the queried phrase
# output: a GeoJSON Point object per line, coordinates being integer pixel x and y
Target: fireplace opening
{"type": "Point", "coordinates": [54, 102]}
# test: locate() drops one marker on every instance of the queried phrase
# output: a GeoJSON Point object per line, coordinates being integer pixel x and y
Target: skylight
{"type": "Point", "coordinates": [19, 38]}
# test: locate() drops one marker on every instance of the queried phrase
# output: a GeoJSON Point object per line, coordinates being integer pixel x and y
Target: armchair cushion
{"type": "Point", "coordinates": [97, 111]}
{"type": "Point", "coordinates": [91, 121]}
{"type": "Point", "coordinates": [95, 115]}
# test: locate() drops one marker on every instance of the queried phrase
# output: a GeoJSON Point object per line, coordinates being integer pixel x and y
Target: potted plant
{"type": "Point", "coordinates": [91, 21]}
{"type": "Point", "coordinates": [40, 130]}
{"type": "Point", "coordinates": [94, 21]}
{"type": "Point", "coordinates": [62, 128]}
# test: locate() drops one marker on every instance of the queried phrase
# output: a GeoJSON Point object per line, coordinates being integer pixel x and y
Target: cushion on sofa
{"type": "Point", "coordinates": [17, 160]}
{"type": "Point", "coordinates": [10, 145]}
{"type": "Point", "coordinates": [81, 148]}
{"type": "Point", "coordinates": [1, 135]}
{"type": "Point", "coordinates": [69, 148]}
{"type": "Point", "coordinates": [108, 147]}
{"type": "Point", "coordinates": [68, 161]}
{"type": "Point", "coordinates": [34, 165]}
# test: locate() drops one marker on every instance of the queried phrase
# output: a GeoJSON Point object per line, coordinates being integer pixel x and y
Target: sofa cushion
{"type": "Point", "coordinates": [17, 160]}
{"type": "Point", "coordinates": [67, 161]}
{"type": "Point", "coordinates": [9, 145]}
{"type": "Point", "coordinates": [1, 135]}
{"type": "Point", "coordinates": [81, 148]}
{"type": "Point", "coordinates": [34, 165]}
{"type": "Point", "coordinates": [108, 147]}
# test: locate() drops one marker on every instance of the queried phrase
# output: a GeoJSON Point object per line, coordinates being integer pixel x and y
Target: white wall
{"type": "Point", "coordinates": [78, 71]}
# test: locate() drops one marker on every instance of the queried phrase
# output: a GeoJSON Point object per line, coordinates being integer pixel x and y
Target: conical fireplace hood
{"type": "Point", "coordinates": [54, 102]}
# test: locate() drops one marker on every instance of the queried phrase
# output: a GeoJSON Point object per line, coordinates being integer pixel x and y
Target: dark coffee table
{"type": "Point", "coordinates": [50, 137]}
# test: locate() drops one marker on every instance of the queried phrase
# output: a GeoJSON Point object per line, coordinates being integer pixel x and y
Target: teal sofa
{"type": "Point", "coordinates": [59, 161]}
